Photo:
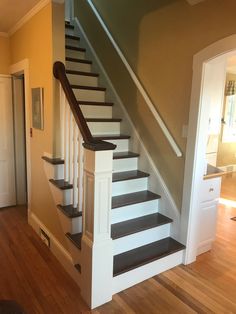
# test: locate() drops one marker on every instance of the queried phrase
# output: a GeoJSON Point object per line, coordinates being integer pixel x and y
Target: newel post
{"type": "Point", "coordinates": [97, 249]}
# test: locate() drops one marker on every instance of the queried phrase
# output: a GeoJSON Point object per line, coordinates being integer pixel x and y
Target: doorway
{"type": "Point", "coordinates": [195, 187]}
{"type": "Point", "coordinates": [18, 87]}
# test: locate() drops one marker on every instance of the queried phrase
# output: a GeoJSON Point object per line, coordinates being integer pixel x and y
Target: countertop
{"type": "Point", "coordinates": [213, 172]}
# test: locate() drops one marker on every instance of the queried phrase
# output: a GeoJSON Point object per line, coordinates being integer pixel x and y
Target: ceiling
{"type": "Point", "coordinates": [11, 11]}
{"type": "Point", "coordinates": [231, 65]}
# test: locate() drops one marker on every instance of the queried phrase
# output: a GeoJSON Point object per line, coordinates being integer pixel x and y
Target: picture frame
{"type": "Point", "coordinates": [37, 108]}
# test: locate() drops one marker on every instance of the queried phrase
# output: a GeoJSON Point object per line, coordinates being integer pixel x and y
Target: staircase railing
{"type": "Point", "coordinates": [138, 84]}
{"type": "Point", "coordinates": [88, 167]}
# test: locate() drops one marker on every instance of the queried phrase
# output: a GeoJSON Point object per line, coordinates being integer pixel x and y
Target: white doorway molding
{"type": "Point", "coordinates": [194, 165]}
{"type": "Point", "coordinates": [22, 67]}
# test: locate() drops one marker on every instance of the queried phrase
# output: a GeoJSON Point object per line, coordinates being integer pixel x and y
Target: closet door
{"type": "Point", "coordinates": [7, 163]}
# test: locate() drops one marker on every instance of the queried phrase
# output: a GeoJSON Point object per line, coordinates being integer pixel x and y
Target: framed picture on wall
{"type": "Point", "coordinates": [37, 108]}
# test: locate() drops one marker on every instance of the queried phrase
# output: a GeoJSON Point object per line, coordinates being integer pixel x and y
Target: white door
{"type": "Point", "coordinates": [7, 164]}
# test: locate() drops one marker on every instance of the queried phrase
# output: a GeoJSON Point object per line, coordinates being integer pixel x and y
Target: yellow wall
{"type": "Point", "coordinates": [226, 151]}
{"type": "Point", "coordinates": [4, 55]}
{"type": "Point", "coordinates": [34, 41]}
{"type": "Point", "coordinates": [159, 39]}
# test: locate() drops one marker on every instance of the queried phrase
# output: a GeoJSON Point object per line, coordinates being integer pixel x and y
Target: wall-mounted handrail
{"type": "Point", "coordinates": [90, 142]}
{"type": "Point", "coordinates": [138, 84]}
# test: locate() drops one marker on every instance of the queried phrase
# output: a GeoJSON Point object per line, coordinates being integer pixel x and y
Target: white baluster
{"type": "Point", "coordinates": [62, 118]}
{"type": "Point", "coordinates": [66, 142]}
{"type": "Point", "coordinates": [71, 147]}
{"type": "Point", "coordinates": [80, 172]}
{"type": "Point", "coordinates": [75, 163]}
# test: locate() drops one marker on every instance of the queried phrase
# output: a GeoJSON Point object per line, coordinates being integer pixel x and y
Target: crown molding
{"type": "Point", "coordinates": [39, 6]}
{"type": "Point", "coordinates": [193, 2]}
{"type": "Point", "coordinates": [2, 34]}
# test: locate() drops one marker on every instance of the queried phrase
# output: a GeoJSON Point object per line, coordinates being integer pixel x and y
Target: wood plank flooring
{"type": "Point", "coordinates": [206, 286]}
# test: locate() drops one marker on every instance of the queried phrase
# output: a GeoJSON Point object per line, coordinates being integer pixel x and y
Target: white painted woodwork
{"type": "Point", "coordinates": [109, 128]}
{"type": "Point", "coordinates": [134, 211]}
{"type": "Point", "coordinates": [67, 142]}
{"type": "Point", "coordinates": [71, 225]}
{"type": "Point", "coordinates": [77, 66]}
{"type": "Point", "coordinates": [75, 54]}
{"type": "Point", "coordinates": [71, 147]}
{"type": "Point", "coordinates": [122, 145]}
{"type": "Point", "coordinates": [7, 162]}
{"type": "Point", "coordinates": [126, 164]}
{"type": "Point", "coordinates": [97, 257]}
{"type": "Point", "coordinates": [75, 165]}
{"type": "Point", "coordinates": [69, 31]}
{"type": "Point", "coordinates": [89, 95]}
{"type": "Point", "coordinates": [144, 272]}
{"type": "Point", "coordinates": [196, 143]}
{"type": "Point", "coordinates": [84, 80]}
{"type": "Point", "coordinates": [141, 238]}
{"type": "Point", "coordinates": [96, 111]}
{"type": "Point", "coordinates": [210, 189]}
{"type": "Point", "coordinates": [129, 186]}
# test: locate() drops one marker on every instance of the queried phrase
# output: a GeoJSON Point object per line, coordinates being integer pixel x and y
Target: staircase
{"type": "Point", "coordinates": [141, 236]}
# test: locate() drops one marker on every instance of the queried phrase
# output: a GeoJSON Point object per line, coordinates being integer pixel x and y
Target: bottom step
{"type": "Point", "coordinates": [145, 254]}
{"type": "Point", "coordinates": [135, 266]}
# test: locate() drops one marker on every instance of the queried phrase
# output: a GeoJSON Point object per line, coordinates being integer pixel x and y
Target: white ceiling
{"type": "Point", "coordinates": [11, 11]}
{"type": "Point", "coordinates": [231, 65]}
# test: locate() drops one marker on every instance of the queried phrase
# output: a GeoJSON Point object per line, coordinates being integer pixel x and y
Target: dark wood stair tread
{"type": "Point", "coordinates": [124, 155]}
{"type": "Point", "coordinates": [128, 227]}
{"type": "Point", "coordinates": [129, 175]}
{"type": "Point", "coordinates": [75, 239]}
{"type": "Point", "coordinates": [78, 267]}
{"type": "Point", "coordinates": [145, 254]}
{"type": "Point", "coordinates": [67, 25]}
{"type": "Point", "coordinates": [61, 184]}
{"type": "Point", "coordinates": [106, 137]}
{"type": "Point", "coordinates": [82, 73]}
{"type": "Point", "coordinates": [78, 60]}
{"type": "Point", "coordinates": [53, 161]}
{"type": "Point", "coordinates": [72, 37]}
{"type": "Point", "coordinates": [94, 103]}
{"type": "Point", "coordinates": [75, 48]}
{"type": "Point", "coordinates": [88, 87]}
{"type": "Point", "coordinates": [69, 211]}
{"type": "Point", "coordinates": [103, 120]}
{"type": "Point", "coordinates": [133, 198]}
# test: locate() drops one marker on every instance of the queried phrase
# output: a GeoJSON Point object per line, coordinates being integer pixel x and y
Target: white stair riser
{"type": "Point", "coordinates": [54, 171]}
{"type": "Point", "coordinates": [129, 186]}
{"type": "Point", "coordinates": [121, 145]}
{"type": "Point", "coordinates": [138, 239]}
{"type": "Point", "coordinates": [83, 80]}
{"type": "Point", "coordinates": [72, 42]}
{"type": "Point", "coordinates": [89, 95]}
{"type": "Point", "coordinates": [75, 54]}
{"type": "Point", "coordinates": [69, 31]}
{"type": "Point", "coordinates": [72, 225]}
{"type": "Point", "coordinates": [126, 164]}
{"type": "Point", "coordinates": [74, 251]}
{"type": "Point", "coordinates": [77, 66]}
{"type": "Point", "coordinates": [97, 128]}
{"type": "Point", "coordinates": [133, 211]}
{"type": "Point", "coordinates": [96, 111]}
{"type": "Point", "coordinates": [147, 271]}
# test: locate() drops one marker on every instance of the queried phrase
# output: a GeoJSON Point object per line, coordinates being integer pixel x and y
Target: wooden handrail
{"type": "Point", "coordinates": [90, 142]}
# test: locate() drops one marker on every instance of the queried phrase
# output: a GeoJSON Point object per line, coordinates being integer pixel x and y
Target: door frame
{"type": "Point", "coordinates": [22, 67]}
{"type": "Point", "coordinates": [194, 165]}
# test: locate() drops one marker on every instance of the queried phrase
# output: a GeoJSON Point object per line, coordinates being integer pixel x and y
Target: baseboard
{"type": "Point", "coordinates": [56, 248]}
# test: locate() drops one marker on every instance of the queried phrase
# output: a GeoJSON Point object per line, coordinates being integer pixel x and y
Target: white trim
{"type": "Point", "coordinates": [56, 248]}
{"type": "Point", "coordinates": [23, 66]}
{"type": "Point", "coordinates": [38, 7]}
{"type": "Point", "coordinates": [138, 84]}
{"type": "Point", "coordinates": [194, 163]}
{"type": "Point", "coordinates": [156, 172]}
{"type": "Point", "coordinates": [3, 34]}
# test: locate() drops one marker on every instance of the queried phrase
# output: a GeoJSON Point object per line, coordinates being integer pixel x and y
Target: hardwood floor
{"type": "Point", "coordinates": [206, 286]}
